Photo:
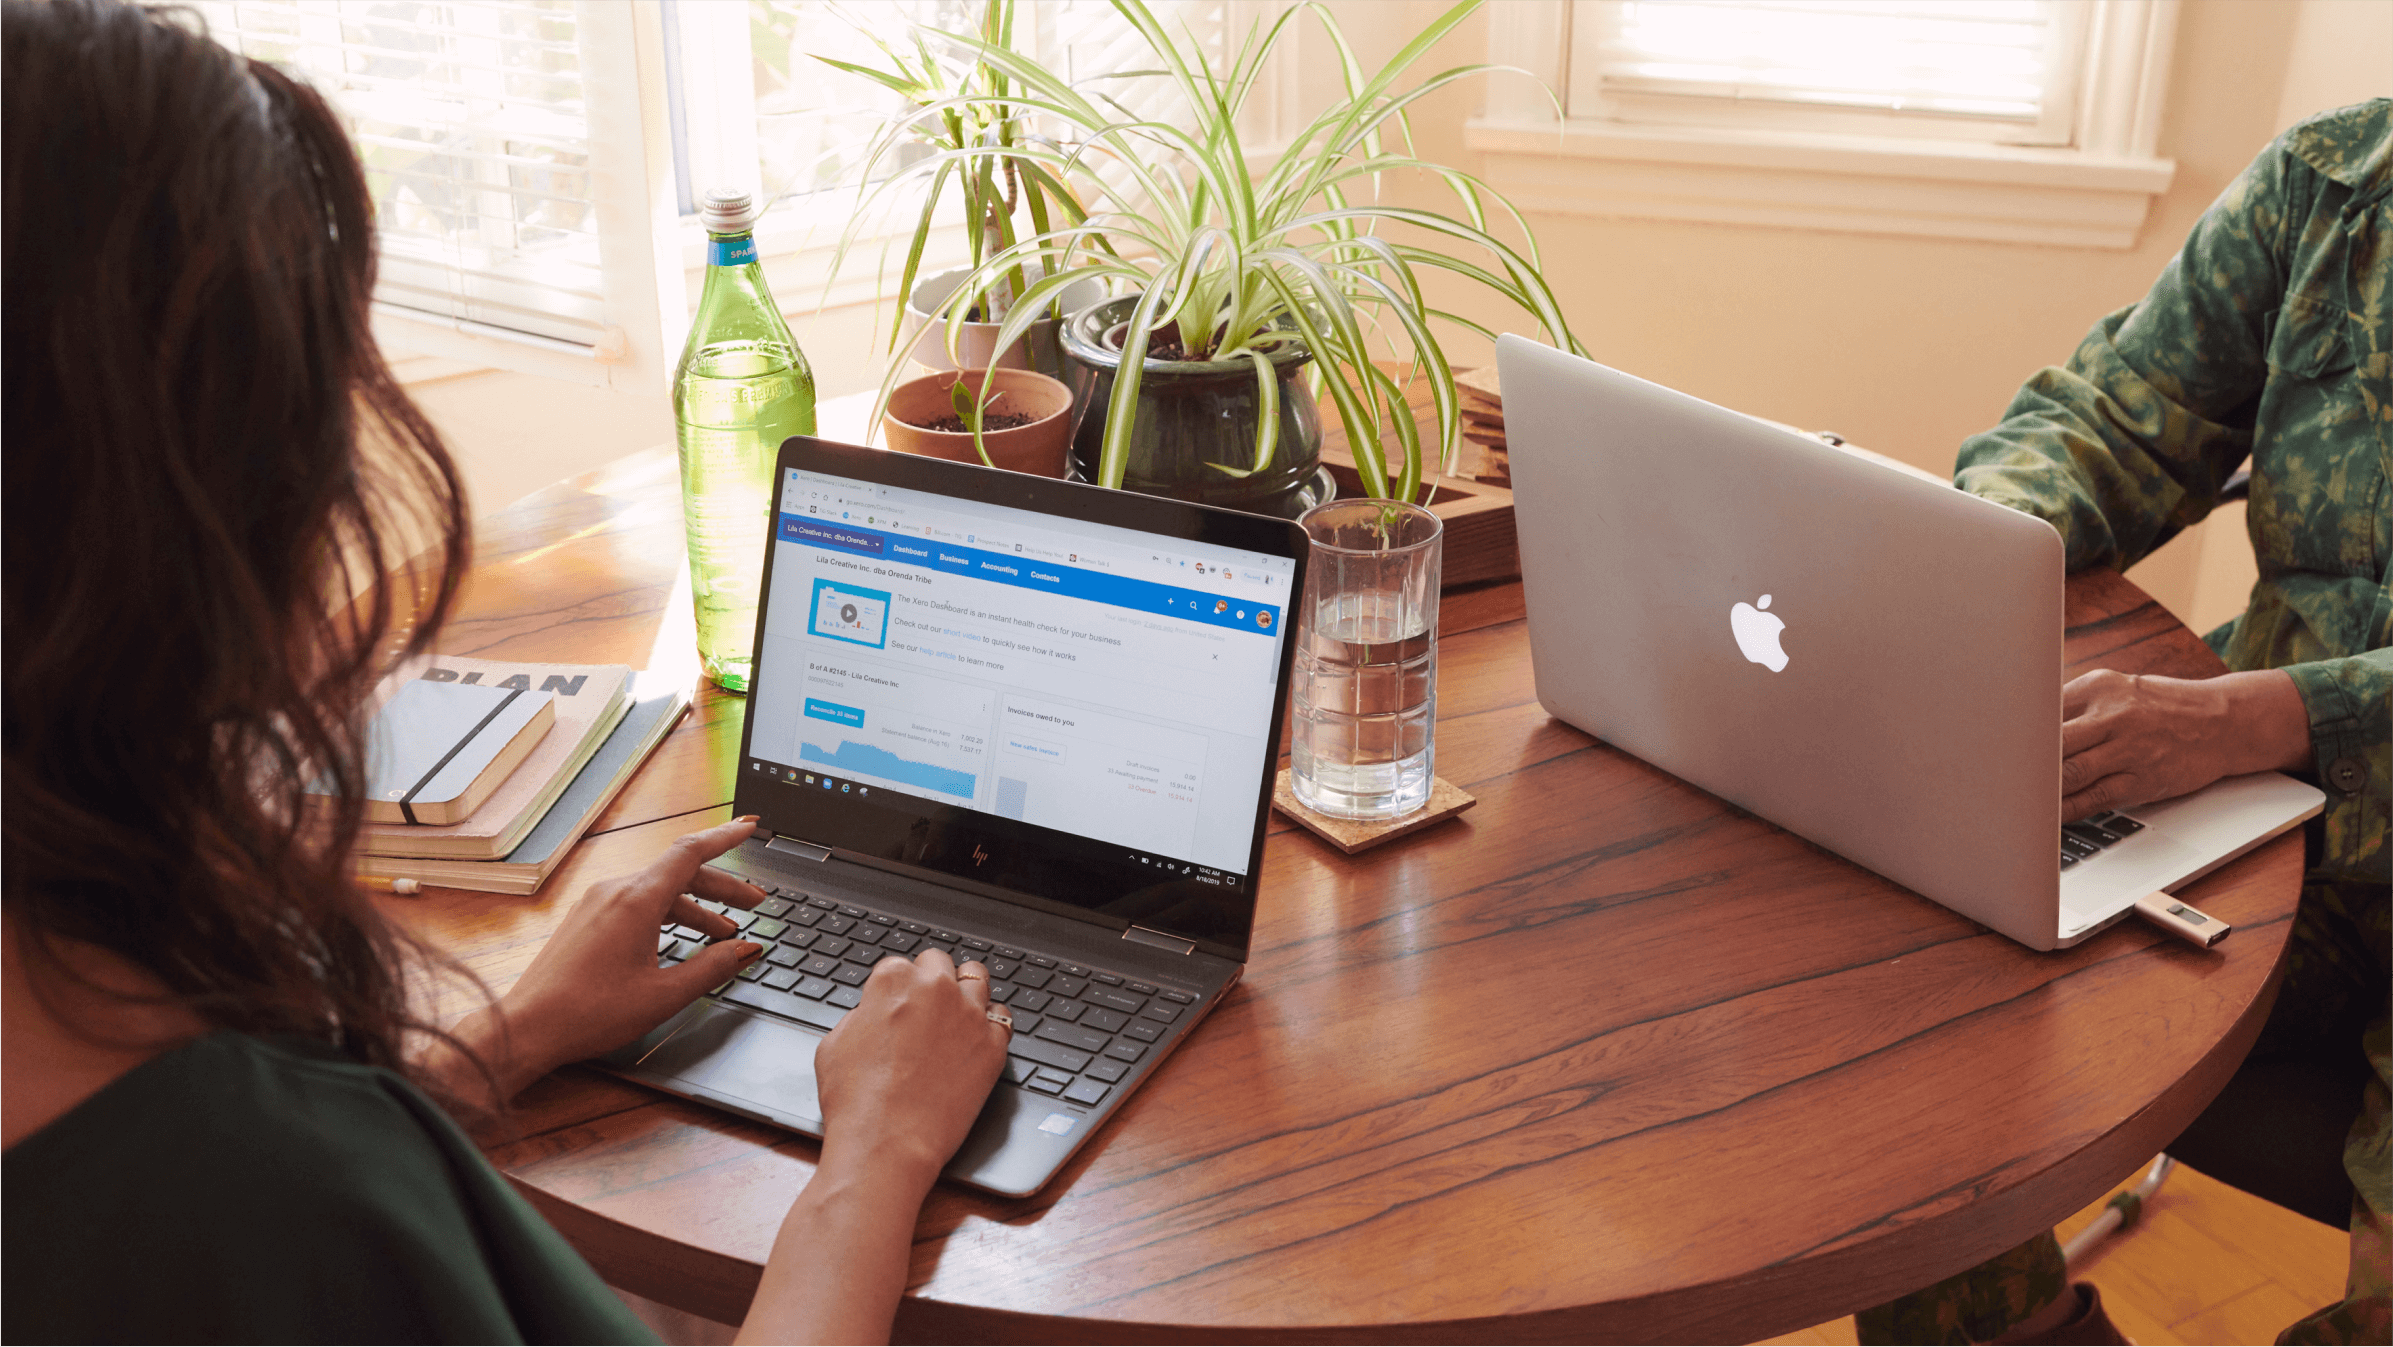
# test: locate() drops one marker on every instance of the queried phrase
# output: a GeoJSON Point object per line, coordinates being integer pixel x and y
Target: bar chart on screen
{"type": "Point", "coordinates": [894, 727]}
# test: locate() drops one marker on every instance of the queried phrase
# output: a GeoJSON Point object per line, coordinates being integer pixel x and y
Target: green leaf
{"type": "Point", "coordinates": [1358, 415]}
{"type": "Point", "coordinates": [1113, 460]}
{"type": "Point", "coordinates": [968, 408]}
{"type": "Point", "coordinates": [914, 246]}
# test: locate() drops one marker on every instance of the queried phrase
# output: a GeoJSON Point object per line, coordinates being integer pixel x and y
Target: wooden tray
{"type": "Point", "coordinates": [1480, 541]}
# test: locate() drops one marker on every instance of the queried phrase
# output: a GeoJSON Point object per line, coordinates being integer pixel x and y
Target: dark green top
{"type": "Point", "coordinates": [239, 1191]}
{"type": "Point", "coordinates": [2268, 340]}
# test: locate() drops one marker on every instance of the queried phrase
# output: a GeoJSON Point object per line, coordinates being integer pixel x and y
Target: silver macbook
{"type": "Point", "coordinates": [1865, 658]}
{"type": "Point", "coordinates": [1025, 721]}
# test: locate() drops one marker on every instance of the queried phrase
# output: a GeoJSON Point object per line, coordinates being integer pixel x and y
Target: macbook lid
{"type": "Point", "coordinates": [1860, 656]}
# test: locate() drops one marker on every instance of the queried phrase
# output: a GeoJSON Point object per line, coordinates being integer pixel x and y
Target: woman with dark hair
{"type": "Point", "coordinates": [217, 1105]}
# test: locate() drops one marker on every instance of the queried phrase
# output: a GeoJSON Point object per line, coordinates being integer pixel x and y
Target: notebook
{"type": "Point", "coordinates": [436, 750]}
{"type": "Point", "coordinates": [646, 715]}
{"type": "Point", "coordinates": [590, 702]}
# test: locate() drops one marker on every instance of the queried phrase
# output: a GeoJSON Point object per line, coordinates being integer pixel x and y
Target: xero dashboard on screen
{"type": "Point", "coordinates": [1068, 675]}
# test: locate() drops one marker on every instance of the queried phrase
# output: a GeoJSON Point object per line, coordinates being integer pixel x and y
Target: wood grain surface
{"type": "Point", "coordinates": [1604, 1058]}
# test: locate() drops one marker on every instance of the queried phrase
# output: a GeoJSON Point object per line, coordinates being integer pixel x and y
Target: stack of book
{"type": "Point", "coordinates": [1484, 457]}
{"type": "Point", "coordinates": [482, 774]}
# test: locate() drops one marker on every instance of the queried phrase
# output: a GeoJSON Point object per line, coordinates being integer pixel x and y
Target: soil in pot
{"type": "Point", "coordinates": [989, 424]}
{"type": "Point", "coordinates": [1025, 427]}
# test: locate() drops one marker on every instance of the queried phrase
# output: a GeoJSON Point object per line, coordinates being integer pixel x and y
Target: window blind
{"type": "Point", "coordinates": [470, 118]}
{"type": "Point", "coordinates": [814, 122]}
{"type": "Point", "coordinates": [1989, 59]}
{"type": "Point", "coordinates": [1090, 44]}
{"type": "Point", "coordinates": [1107, 61]}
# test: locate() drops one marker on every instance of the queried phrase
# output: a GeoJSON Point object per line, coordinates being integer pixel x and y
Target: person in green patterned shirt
{"type": "Point", "coordinates": [2267, 341]}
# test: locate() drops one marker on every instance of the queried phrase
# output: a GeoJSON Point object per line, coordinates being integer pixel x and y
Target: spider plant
{"type": "Point", "coordinates": [965, 115]}
{"type": "Point", "coordinates": [1235, 266]}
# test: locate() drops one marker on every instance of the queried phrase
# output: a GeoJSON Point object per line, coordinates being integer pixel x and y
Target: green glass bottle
{"type": "Point", "coordinates": [741, 388]}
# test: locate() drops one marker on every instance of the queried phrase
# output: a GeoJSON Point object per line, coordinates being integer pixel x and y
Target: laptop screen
{"type": "Point", "coordinates": [1092, 705]}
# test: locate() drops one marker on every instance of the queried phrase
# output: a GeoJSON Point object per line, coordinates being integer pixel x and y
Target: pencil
{"type": "Point", "coordinates": [379, 884]}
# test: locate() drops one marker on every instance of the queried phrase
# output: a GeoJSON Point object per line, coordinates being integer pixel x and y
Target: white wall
{"type": "Point", "coordinates": [1909, 345]}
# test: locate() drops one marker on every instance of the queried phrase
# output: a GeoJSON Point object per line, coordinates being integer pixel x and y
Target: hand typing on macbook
{"type": "Point", "coordinates": [2130, 739]}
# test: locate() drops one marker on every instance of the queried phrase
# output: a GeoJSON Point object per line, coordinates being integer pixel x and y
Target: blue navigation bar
{"type": "Point", "coordinates": [1011, 568]}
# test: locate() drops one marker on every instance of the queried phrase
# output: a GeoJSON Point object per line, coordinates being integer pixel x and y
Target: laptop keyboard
{"type": "Point", "coordinates": [2091, 834]}
{"type": "Point", "coordinates": [1078, 1031]}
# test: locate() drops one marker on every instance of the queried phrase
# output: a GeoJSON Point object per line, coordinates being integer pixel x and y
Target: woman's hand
{"type": "Point", "coordinates": [904, 1075]}
{"type": "Point", "coordinates": [2129, 739]}
{"type": "Point", "coordinates": [596, 985]}
{"type": "Point", "coordinates": [901, 1080]}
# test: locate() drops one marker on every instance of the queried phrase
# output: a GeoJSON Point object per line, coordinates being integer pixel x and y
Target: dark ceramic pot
{"type": "Point", "coordinates": [1191, 415]}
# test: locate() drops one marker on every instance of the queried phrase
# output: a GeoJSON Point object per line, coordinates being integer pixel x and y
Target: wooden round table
{"type": "Point", "coordinates": [1605, 1058]}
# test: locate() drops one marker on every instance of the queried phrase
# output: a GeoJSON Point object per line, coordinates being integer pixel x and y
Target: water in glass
{"type": "Point", "coordinates": [1365, 689]}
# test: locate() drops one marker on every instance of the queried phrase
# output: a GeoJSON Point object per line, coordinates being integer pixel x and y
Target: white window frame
{"type": "Point", "coordinates": [1834, 170]}
{"type": "Point", "coordinates": [631, 178]}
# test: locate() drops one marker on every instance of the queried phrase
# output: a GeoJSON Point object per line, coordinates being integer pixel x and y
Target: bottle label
{"type": "Point", "coordinates": [731, 252]}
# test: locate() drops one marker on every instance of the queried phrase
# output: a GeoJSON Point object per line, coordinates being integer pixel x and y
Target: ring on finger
{"type": "Point", "coordinates": [997, 1016]}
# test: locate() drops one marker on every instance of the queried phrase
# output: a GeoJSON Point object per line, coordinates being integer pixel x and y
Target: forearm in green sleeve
{"type": "Point", "coordinates": [2131, 440]}
{"type": "Point", "coordinates": [2102, 455]}
{"type": "Point", "coordinates": [2350, 701]}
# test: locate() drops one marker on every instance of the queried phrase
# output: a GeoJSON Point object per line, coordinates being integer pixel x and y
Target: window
{"type": "Point", "coordinates": [536, 164]}
{"type": "Point", "coordinates": [509, 190]}
{"type": "Point", "coordinates": [1994, 70]}
{"type": "Point", "coordinates": [2015, 120]}
{"type": "Point", "coordinates": [753, 109]}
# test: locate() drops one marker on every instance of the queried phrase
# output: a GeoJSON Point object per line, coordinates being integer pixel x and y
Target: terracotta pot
{"type": "Point", "coordinates": [1035, 448]}
{"type": "Point", "coordinates": [1037, 350]}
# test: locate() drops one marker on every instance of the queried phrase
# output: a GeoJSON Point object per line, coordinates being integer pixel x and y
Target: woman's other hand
{"type": "Point", "coordinates": [901, 1080]}
{"type": "Point", "coordinates": [2130, 739]}
{"type": "Point", "coordinates": [596, 984]}
{"type": "Point", "coordinates": [904, 1075]}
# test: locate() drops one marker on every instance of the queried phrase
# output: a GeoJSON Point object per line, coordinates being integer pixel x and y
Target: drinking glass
{"type": "Point", "coordinates": [1366, 660]}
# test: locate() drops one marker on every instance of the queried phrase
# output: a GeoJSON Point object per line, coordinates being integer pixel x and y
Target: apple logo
{"type": "Point", "coordinates": [1757, 633]}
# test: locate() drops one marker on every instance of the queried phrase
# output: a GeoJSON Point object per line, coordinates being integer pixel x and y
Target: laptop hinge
{"type": "Point", "coordinates": [1159, 940]}
{"type": "Point", "coordinates": [794, 847]}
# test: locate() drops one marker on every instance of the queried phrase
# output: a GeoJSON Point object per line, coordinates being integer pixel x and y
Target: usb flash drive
{"type": "Point", "coordinates": [2185, 923]}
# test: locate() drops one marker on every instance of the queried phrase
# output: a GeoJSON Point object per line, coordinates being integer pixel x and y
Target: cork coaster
{"type": "Point", "coordinates": [1352, 835]}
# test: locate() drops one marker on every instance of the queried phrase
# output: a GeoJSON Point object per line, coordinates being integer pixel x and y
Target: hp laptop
{"type": "Point", "coordinates": [1866, 658]}
{"type": "Point", "coordinates": [1025, 721]}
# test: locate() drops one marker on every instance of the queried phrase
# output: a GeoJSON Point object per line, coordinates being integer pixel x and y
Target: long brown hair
{"type": "Point", "coordinates": [205, 456]}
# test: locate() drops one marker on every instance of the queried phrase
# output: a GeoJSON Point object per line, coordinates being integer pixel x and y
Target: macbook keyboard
{"type": "Point", "coordinates": [2092, 833]}
{"type": "Point", "coordinates": [1078, 1031]}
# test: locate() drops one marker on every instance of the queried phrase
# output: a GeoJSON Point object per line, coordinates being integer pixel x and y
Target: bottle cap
{"type": "Point", "coordinates": [727, 210]}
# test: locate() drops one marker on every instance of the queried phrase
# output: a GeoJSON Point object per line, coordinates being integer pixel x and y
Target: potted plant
{"type": "Point", "coordinates": [975, 135]}
{"type": "Point", "coordinates": [1015, 419]}
{"type": "Point", "coordinates": [1252, 295]}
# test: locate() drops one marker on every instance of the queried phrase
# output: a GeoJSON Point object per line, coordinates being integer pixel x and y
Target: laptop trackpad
{"type": "Point", "coordinates": [766, 1062]}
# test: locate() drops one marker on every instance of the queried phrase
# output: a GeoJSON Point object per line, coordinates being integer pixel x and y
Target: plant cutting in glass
{"type": "Point", "coordinates": [1233, 267]}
